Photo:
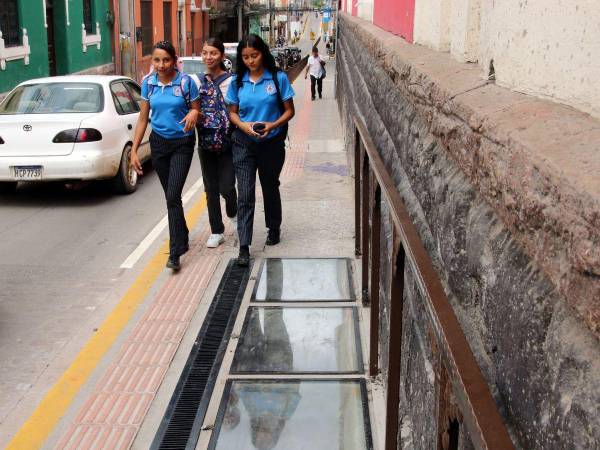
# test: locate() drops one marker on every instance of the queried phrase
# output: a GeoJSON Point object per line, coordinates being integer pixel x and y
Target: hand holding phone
{"type": "Point", "coordinates": [259, 127]}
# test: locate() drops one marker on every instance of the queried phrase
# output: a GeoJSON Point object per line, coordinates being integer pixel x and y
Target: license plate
{"type": "Point", "coordinates": [27, 172]}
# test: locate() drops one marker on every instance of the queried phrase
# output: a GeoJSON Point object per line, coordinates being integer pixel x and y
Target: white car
{"type": "Point", "coordinates": [77, 127]}
{"type": "Point", "coordinates": [194, 64]}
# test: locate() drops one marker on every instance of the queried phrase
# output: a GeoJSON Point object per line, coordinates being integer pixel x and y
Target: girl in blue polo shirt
{"type": "Point", "coordinates": [172, 97]}
{"type": "Point", "coordinates": [260, 100]}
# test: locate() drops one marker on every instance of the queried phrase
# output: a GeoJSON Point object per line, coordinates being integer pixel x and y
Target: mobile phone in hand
{"type": "Point", "coordinates": [259, 127]}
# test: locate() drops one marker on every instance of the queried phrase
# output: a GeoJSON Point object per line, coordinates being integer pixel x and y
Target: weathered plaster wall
{"type": "Point", "coordinates": [549, 48]}
{"type": "Point", "coordinates": [432, 24]}
{"type": "Point", "coordinates": [465, 18]}
{"type": "Point", "coordinates": [502, 206]}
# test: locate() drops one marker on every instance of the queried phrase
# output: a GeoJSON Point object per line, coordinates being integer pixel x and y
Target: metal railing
{"type": "Point", "coordinates": [464, 399]}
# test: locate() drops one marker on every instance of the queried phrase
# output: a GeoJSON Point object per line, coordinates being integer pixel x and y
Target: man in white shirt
{"type": "Point", "coordinates": [315, 67]}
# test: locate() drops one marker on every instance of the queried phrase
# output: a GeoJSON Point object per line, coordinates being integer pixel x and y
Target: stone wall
{"type": "Point", "coordinates": [504, 192]}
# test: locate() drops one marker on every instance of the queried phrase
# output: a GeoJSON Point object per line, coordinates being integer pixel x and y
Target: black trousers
{"type": "Point", "coordinates": [219, 179]}
{"type": "Point", "coordinates": [267, 157]}
{"type": "Point", "coordinates": [319, 82]}
{"type": "Point", "coordinates": [172, 159]}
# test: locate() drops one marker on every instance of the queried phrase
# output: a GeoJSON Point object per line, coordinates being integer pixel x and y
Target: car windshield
{"type": "Point", "coordinates": [54, 98]}
{"type": "Point", "coordinates": [194, 66]}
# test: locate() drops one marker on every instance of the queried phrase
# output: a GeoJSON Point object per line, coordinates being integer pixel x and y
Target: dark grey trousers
{"type": "Point", "coordinates": [219, 179]}
{"type": "Point", "coordinates": [172, 159]}
{"type": "Point", "coordinates": [319, 82]}
{"type": "Point", "coordinates": [267, 157]}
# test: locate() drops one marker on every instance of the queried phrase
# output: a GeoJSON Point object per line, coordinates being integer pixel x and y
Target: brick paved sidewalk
{"type": "Point", "coordinates": [126, 403]}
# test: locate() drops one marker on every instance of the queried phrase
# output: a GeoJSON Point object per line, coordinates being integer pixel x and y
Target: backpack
{"type": "Point", "coordinates": [185, 80]}
{"type": "Point", "coordinates": [284, 128]}
{"type": "Point", "coordinates": [214, 133]}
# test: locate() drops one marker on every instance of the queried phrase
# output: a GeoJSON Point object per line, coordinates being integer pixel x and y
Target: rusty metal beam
{"type": "Point", "coordinates": [375, 266]}
{"type": "Point", "coordinates": [365, 207]}
{"type": "Point", "coordinates": [392, 413]}
{"type": "Point", "coordinates": [482, 419]}
{"type": "Point", "coordinates": [357, 165]}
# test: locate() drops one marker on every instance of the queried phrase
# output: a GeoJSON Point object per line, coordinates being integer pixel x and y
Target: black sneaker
{"type": "Point", "coordinates": [273, 237]}
{"type": "Point", "coordinates": [244, 257]}
{"type": "Point", "coordinates": [173, 263]}
{"type": "Point", "coordinates": [320, 96]}
{"type": "Point", "coordinates": [312, 98]}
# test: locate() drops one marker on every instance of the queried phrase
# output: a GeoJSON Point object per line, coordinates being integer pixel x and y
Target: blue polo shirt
{"type": "Point", "coordinates": [168, 105]}
{"type": "Point", "coordinates": [258, 101]}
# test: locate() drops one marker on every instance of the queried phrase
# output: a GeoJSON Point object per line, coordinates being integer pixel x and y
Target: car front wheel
{"type": "Point", "coordinates": [126, 180]}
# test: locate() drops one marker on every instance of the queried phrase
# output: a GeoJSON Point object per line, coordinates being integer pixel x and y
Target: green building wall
{"type": "Point", "coordinates": [70, 56]}
{"type": "Point", "coordinates": [32, 19]}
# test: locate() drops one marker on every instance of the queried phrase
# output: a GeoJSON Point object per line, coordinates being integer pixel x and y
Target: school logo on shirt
{"type": "Point", "coordinates": [177, 91]}
{"type": "Point", "coordinates": [270, 88]}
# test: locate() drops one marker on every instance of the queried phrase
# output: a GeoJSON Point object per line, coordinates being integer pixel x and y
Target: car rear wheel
{"type": "Point", "coordinates": [8, 187]}
{"type": "Point", "coordinates": [126, 180]}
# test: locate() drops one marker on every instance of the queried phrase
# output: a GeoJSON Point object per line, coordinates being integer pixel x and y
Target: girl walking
{"type": "Point", "coordinates": [260, 100]}
{"type": "Point", "coordinates": [214, 134]}
{"type": "Point", "coordinates": [172, 97]}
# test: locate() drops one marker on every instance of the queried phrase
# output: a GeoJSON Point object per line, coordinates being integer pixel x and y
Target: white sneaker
{"type": "Point", "coordinates": [215, 240]}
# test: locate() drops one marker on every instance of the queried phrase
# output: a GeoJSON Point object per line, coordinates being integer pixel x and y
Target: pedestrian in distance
{"type": "Point", "coordinates": [214, 140]}
{"type": "Point", "coordinates": [170, 98]}
{"type": "Point", "coordinates": [316, 68]}
{"type": "Point", "coordinates": [260, 100]}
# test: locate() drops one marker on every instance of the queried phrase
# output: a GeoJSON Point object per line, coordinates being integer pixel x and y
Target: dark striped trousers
{"type": "Point", "coordinates": [267, 157]}
{"type": "Point", "coordinates": [172, 159]}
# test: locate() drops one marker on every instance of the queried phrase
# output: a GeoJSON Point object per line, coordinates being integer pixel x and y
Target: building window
{"type": "Point", "coordinates": [88, 20]}
{"type": "Point", "coordinates": [147, 28]}
{"type": "Point", "coordinates": [168, 21]}
{"type": "Point", "coordinates": [9, 23]}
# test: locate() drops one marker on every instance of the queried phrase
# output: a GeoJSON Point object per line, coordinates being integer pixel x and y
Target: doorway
{"type": "Point", "coordinates": [50, 35]}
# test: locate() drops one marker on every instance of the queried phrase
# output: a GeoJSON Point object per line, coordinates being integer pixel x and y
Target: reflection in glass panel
{"type": "Point", "coordinates": [292, 415]}
{"type": "Point", "coordinates": [304, 280]}
{"type": "Point", "coordinates": [300, 340]}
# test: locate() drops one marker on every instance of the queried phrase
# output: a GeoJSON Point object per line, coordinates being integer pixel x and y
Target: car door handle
{"type": "Point", "coordinates": [129, 127]}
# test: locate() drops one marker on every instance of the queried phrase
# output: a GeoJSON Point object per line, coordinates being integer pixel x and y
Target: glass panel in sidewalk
{"type": "Point", "coordinates": [299, 340]}
{"type": "Point", "coordinates": [293, 415]}
{"type": "Point", "coordinates": [312, 279]}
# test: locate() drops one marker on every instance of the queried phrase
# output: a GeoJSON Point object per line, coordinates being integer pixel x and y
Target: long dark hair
{"type": "Point", "coordinates": [167, 47]}
{"type": "Point", "coordinates": [218, 44]}
{"type": "Point", "coordinates": [256, 42]}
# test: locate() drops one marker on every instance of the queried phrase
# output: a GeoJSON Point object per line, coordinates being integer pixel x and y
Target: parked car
{"type": "Point", "coordinates": [280, 58]}
{"type": "Point", "coordinates": [195, 64]}
{"type": "Point", "coordinates": [70, 128]}
{"type": "Point", "coordinates": [231, 53]}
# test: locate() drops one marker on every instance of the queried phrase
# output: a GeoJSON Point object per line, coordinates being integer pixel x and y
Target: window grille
{"type": "Point", "coordinates": [9, 23]}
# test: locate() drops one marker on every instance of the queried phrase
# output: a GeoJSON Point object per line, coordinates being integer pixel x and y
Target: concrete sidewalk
{"type": "Point", "coordinates": [124, 401]}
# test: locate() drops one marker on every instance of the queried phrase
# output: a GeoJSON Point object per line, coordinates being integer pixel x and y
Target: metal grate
{"type": "Point", "coordinates": [181, 423]}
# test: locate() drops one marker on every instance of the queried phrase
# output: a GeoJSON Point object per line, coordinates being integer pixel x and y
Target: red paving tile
{"type": "Point", "coordinates": [113, 413]}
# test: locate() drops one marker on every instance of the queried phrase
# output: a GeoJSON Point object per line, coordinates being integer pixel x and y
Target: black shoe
{"type": "Point", "coordinates": [244, 257]}
{"type": "Point", "coordinates": [173, 263]}
{"type": "Point", "coordinates": [320, 96]}
{"type": "Point", "coordinates": [312, 98]}
{"type": "Point", "coordinates": [273, 237]}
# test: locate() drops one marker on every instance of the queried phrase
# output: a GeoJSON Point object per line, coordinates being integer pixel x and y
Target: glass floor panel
{"type": "Point", "coordinates": [293, 415]}
{"type": "Point", "coordinates": [311, 279]}
{"type": "Point", "coordinates": [299, 340]}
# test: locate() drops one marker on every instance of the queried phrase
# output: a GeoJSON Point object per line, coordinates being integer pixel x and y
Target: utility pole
{"type": "Point", "coordinates": [240, 8]}
{"type": "Point", "coordinates": [271, 41]}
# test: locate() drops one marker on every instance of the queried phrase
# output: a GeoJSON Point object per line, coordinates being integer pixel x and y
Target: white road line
{"type": "Point", "coordinates": [157, 230]}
